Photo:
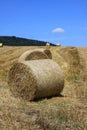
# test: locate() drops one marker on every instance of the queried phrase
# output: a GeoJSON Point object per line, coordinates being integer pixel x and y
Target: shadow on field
{"type": "Point", "coordinates": [59, 95]}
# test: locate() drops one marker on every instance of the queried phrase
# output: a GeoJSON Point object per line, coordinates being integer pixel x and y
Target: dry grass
{"type": "Point", "coordinates": [57, 113]}
{"type": "Point", "coordinates": [74, 67]}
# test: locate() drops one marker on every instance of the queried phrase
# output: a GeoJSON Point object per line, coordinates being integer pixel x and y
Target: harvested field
{"type": "Point", "coordinates": [66, 112]}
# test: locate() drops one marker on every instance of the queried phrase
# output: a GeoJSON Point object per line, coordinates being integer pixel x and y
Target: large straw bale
{"type": "Point", "coordinates": [36, 79]}
{"type": "Point", "coordinates": [36, 54]}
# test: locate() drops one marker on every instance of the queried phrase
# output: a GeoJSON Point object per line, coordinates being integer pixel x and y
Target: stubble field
{"type": "Point", "coordinates": [67, 112]}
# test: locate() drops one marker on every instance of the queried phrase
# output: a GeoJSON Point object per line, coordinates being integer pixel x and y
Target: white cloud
{"type": "Point", "coordinates": [58, 30]}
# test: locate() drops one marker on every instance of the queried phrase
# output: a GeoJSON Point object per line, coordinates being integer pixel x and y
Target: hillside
{"type": "Point", "coordinates": [67, 112]}
{"type": "Point", "coordinates": [17, 41]}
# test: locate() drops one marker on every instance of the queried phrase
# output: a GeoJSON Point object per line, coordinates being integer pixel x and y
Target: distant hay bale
{"type": "Point", "coordinates": [58, 44]}
{"type": "Point", "coordinates": [36, 79]}
{"type": "Point", "coordinates": [36, 54]}
{"type": "Point", "coordinates": [1, 44]}
{"type": "Point", "coordinates": [47, 44]}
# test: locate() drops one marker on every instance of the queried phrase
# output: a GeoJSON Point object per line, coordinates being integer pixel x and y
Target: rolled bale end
{"type": "Point", "coordinates": [36, 54]}
{"type": "Point", "coordinates": [36, 79]}
{"type": "Point", "coordinates": [22, 81]}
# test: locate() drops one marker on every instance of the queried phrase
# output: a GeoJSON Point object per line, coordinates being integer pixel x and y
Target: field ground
{"type": "Point", "coordinates": [68, 112]}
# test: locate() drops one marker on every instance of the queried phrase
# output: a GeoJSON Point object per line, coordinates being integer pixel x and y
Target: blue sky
{"type": "Point", "coordinates": [54, 21]}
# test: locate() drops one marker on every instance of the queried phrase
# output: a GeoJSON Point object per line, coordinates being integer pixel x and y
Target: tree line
{"type": "Point", "coordinates": [17, 41]}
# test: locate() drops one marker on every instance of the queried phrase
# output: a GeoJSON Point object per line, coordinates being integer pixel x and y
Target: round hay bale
{"type": "Point", "coordinates": [36, 54]}
{"type": "Point", "coordinates": [36, 79]}
{"type": "Point", "coordinates": [48, 53]}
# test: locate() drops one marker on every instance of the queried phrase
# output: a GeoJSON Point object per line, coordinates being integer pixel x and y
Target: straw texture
{"type": "Point", "coordinates": [36, 54]}
{"type": "Point", "coordinates": [36, 79]}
